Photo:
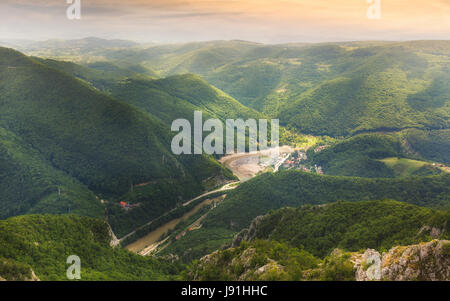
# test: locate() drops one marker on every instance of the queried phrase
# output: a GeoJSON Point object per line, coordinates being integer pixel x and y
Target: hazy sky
{"type": "Point", "coordinates": [270, 21]}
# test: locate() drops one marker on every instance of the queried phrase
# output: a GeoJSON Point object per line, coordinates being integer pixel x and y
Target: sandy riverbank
{"type": "Point", "coordinates": [247, 165]}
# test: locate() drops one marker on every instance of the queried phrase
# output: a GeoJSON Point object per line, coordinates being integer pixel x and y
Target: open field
{"type": "Point", "coordinates": [406, 167]}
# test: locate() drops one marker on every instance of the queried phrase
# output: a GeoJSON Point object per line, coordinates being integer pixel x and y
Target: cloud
{"type": "Point", "coordinates": [261, 20]}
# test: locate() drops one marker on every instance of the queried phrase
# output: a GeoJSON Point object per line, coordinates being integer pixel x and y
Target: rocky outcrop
{"type": "Point", "coordinates": [11, 270]}
{"type": "Point", "coordinates": [425, 261]}
{"type": "Point", "coordinates": [114, 242]}
{"type": "Point", "coordinates": [241, 267]}
{"type": "Point", "coordinates": [247, 234]}
{"type": "Point", "coordinates": [428, 261]}
{"type": "Point", "coordinates": [432, 231]}
{"type": "Point", "coordinates": [367, 265]}
{"type": "Point", "coordinates": [266, 269]}
{"type": "Point", "coordinates": [20, 277]}
{"type": "Point", "coordinates": [33, 277]}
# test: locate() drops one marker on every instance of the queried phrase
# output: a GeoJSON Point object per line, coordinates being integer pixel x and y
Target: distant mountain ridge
{"type": "Point", "coordinates": [335, 89]}
{"type": "Point", "coordinates": [84, 44]}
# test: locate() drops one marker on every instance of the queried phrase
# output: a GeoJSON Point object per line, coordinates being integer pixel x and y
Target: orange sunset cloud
{"type": "Point", "coordinates": [259, 20]}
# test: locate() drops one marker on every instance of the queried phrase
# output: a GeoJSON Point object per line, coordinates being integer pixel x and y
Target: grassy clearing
{"type": "Point", "coordinates": [404, 167]}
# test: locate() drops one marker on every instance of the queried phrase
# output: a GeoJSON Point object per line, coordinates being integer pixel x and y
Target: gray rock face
{"type": "Point", "coordinates": [368, 266]}
{"type": "Point", "coordinates": [33, 278]}
{"type": "Point", "coordinates": [425, 261]}
{"type": "Point", "coordinates": [247, 234]}
{"type": "Point", "coordinates": [432, 231]}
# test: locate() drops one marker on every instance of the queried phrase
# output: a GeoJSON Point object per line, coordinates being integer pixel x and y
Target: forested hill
{"type": "Point", "coordinates": [335, 89]}
{"type": "Point", "coordinates": [337, 241]}
{"type": "Point", "coordinates": [165, 99]}
{"type": "Point", "coordinates": [380, 88]}
{"type": "Point", "coordinates": [295, 188]}
{"type": "Point", "coordinates": [179, 96]}
{"type": "Point", "coordinates": [42, 244]}
{"type": "Point", "coordinates": [62, 141]}
{"type": "Point", "coordinates": [383, 155]}
{"type": "Point", "coordinates": [352, 226]}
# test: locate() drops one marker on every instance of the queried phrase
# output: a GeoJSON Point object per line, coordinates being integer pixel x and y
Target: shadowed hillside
{"type": "Point", "coordinates": [104, 145]}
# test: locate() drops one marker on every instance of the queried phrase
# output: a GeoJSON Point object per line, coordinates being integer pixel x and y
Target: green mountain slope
{"type": "Point", "coordinates": [431, 145]}
{"type": "Point", "coordinates": [300, 243]}
{"type": "Point", "coordinates": [179, 96]}
{"type": "Point", "coordinates": [105, 144]}
{"type": "Point", "coordinates": [352, 226]}
{"type": "Point", "coordinates": [394, 88]}
{"type": "Point", "coordinates": [42, 243]}
{"type": "Point", "coordinates": [358, 156]}
{"type": "Point", "coordinates": [30, 184]}
{"type": "Point", "coordinates": [99, 74]}
{"type": "Point", "coordinates": [405, 153]}
{"type": "Point", "coordinates": [324, 89]}
{"type": "Point", "coordinates": [196, 57]}
{"type": "Point", "coordinates": [259, 260]}
{"type": "Point", "coordinates": [371, 156]}
{"type": "Point", "coordinates": [294, 188]}
{"type": "Point", "coordinates": [166, 99]}
{"type": "Point", "coordinates": [335, 89]}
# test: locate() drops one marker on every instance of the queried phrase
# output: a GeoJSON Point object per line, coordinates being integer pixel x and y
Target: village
{"type": "Point", "coordinates": [297, 160]}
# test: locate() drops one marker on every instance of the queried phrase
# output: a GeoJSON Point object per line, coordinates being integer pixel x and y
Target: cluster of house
{"type": "Point", "coordinates": [127, 206]}
{"type": "Point", "coordinates": [296, 160]}
{"type": "Point", "coordinates": [440, 165]}
{"type": "Point", "coordinates": [318, 169]}
{"type": "Point", "coordinates": [298, 156]}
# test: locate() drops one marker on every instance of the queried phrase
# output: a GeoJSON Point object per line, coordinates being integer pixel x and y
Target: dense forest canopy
{"type": "Point", "coordinates": [85, 125]}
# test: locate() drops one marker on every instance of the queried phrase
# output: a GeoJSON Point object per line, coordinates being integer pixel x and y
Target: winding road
{"type": "Point", "coordinates": [230, 186]}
